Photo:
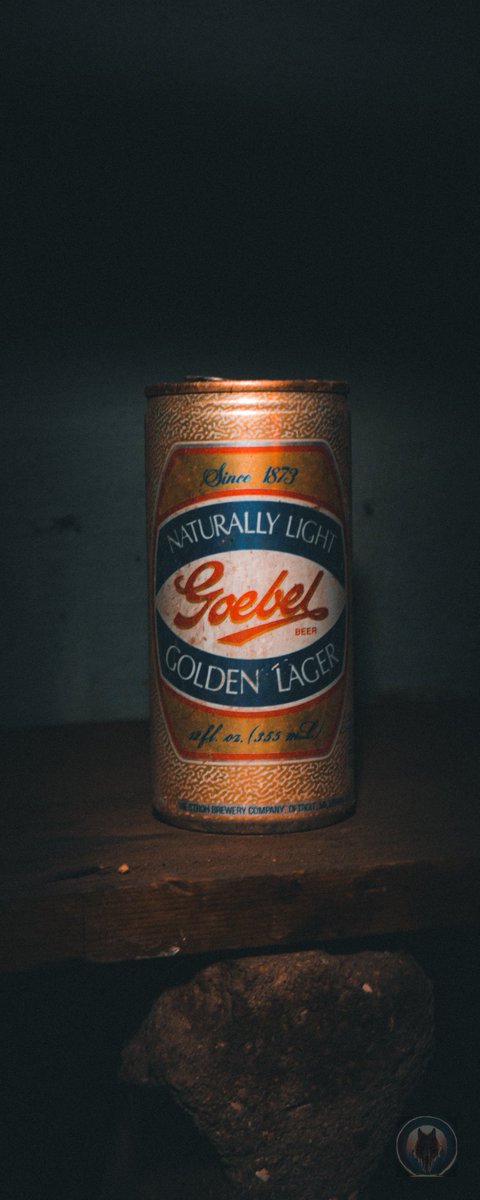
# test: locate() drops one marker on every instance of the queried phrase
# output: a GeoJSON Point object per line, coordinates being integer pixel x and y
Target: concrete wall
{"type": "Point", "coordinates": [283, 189]}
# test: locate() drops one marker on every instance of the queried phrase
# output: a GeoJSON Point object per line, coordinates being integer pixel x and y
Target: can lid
{"type": "Point", "coordinates": [212, 383]}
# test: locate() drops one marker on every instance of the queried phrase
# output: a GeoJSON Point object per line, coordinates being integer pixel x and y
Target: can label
{"type": "Point", "coordinates": [250, 600]}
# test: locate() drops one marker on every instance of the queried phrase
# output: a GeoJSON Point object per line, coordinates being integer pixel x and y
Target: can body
{"type": "Point", "coordinates": [249, 547]}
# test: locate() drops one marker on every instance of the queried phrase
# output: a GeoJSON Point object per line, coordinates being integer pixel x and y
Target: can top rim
{"type": "Point", "coordinates": [239, 386]}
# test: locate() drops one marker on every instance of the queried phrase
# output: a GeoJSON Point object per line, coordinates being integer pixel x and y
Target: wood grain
{"type": "Point", "coordinates": [78, 806]}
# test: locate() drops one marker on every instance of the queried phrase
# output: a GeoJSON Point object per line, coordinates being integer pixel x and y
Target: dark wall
{"type": "Point", "coordinates": [274, 188]}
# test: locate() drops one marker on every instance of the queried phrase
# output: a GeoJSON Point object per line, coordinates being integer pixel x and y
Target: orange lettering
{"type": "Point", "coordinates": [192, 590]}
{"type": "Point", "coordinates": [290, 606]}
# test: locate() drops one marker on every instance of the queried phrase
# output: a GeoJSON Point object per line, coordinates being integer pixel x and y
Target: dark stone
{"type": "Point", "coordinates": [295, 1066]}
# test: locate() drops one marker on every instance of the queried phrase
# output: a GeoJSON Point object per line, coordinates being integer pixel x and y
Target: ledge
{"type": "Point", "coordinates": [79, 807]}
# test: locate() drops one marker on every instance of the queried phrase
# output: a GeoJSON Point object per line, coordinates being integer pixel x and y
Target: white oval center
{"type": "Point", "coordinates": [251, 603]}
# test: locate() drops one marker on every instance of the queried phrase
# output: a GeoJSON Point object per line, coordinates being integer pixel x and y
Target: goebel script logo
{"type": "Point", "coordinates": [278, 606]}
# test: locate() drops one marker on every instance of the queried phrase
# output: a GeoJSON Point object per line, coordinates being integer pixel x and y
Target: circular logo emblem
{"type": "Point", "coordinates": [426, 1147]}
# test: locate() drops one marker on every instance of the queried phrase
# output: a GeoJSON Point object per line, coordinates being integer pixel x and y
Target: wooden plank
{"type": "Point", "coordinates": [272, 911]}
{"type": "Point", "coordinates": [79, 807]}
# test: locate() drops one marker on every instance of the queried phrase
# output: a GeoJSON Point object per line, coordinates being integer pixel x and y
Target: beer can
{"type": "Point", "coordinates": [248, 515]}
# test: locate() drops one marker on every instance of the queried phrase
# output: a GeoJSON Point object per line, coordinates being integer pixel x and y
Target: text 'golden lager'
{"type": "Point", "coordinates": [248, 511]}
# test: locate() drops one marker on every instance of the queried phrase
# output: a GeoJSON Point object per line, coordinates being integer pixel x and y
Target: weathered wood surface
{"type": "Point", "coordinates": [77, 806]}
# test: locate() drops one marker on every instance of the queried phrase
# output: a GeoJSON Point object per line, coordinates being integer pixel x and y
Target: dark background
{"type": "Point", "coordinates": [255, 188]}
{"type": "Point", "coordinates": [271, 184]}
{"type": "Point", "coordinates": [246, 188]}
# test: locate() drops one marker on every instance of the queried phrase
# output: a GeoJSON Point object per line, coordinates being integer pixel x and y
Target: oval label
{"type": "Point", "coordinates": [250, 604]}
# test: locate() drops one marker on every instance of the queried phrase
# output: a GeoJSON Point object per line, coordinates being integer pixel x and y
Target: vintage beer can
{"type": "Point", "coordinates": [248, 513]}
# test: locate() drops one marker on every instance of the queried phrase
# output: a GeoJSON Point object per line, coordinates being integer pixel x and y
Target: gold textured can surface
{"type": "Point", "coordinates": [249, 545]}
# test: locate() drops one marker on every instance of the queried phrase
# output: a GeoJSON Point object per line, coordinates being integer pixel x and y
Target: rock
{"type": "Point", "coordinates": [295, 1066]}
